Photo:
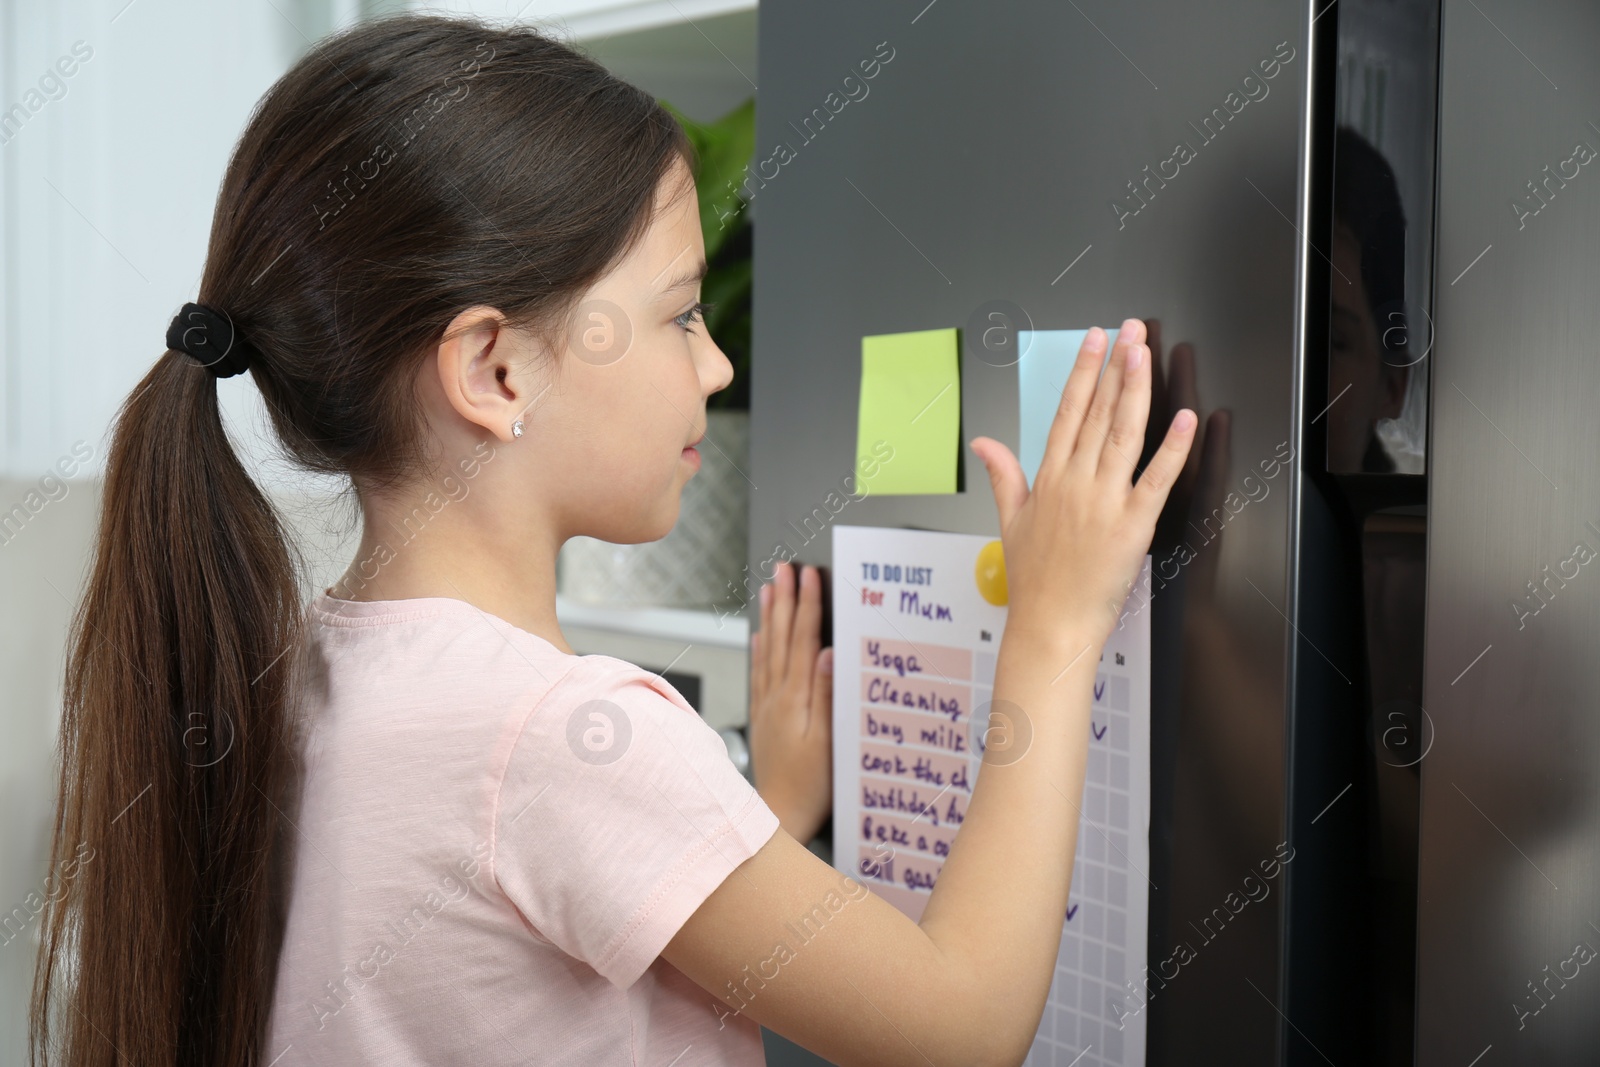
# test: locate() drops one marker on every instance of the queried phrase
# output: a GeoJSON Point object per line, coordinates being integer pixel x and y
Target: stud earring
{"type": "Point", "coordinates": [516, 428]}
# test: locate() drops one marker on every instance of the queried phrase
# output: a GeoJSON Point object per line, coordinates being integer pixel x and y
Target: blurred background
{"type": "Point", "coordinates": [116, 122]}
{"type": "Point", "coordinates": [1307, 658]}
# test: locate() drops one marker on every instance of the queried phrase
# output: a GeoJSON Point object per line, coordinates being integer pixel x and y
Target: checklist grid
{"type": "Point", "coordinates": [1088, 999]}
{"type": "Point", "coordinates": [916, 638]}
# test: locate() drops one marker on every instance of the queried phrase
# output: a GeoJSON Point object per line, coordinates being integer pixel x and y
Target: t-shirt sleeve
{"type": "Point", "coordinates": [618, 813]}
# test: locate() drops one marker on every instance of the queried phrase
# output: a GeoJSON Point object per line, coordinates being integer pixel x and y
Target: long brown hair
{"type": "Point", "coordinates": [404, 170]}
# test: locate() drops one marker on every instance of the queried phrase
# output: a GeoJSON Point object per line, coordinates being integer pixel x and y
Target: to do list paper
{"type": "Point", "coordinates": [918, 618]}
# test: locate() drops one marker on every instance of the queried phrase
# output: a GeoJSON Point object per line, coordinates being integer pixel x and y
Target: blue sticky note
{"type": "Point", "coordinates": [1045, 358]}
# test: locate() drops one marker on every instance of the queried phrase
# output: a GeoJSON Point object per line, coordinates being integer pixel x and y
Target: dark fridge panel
{"type": "Point", "coordinates": [1069, 165]}
{"type": "Point", "coordinates": [1510, 817]}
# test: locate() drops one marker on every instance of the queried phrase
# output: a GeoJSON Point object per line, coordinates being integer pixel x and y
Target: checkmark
{"type": "Point", "coordinates": [1099, 689]}
{"type": "Point", "coordinates": [1071, 912]}
{"type": "Point", "coordinates": [1099, 731]}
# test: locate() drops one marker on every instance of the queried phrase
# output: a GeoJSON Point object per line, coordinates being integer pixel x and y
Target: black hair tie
{"type": "Point", "coordinates": [208, 337]}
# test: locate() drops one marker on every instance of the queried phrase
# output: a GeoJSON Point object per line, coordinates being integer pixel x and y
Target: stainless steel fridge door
{"type": "Point", "coordinates": [1025, 159]}
{"type": "Point", "coordinates": [1510, 814]}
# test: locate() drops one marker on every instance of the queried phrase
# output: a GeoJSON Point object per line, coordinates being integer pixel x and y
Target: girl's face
{"type": "Point", "coordinates": [627, 395]}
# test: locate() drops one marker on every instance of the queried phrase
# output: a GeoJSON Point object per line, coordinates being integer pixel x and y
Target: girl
{"type": "Point", "coordinates": [408, 825]}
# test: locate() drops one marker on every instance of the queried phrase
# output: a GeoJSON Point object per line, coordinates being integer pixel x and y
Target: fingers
{"type": "Point", "coordinates": [1125, 440]}
{"type": "Point", "coordinates": [791, 628]}
{"type": "Point", "coordinates": [1076, 394]}
{"type": "Point", "coordinates": [1097, 423]}
{"type": "Point", "coordinates": [781, 623]}
{"type": "Point", "coordinates": [1005, 477]}
{"type": "Point", "coordinates": [1150, 494]}
{"type": "Point", "coordinates": [806, 635]}
{"type": "Point", "coordinates": [820, 719]}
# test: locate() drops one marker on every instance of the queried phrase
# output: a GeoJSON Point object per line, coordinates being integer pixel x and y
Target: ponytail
{"type": "Point", "coordinates": [405, 169]}
{"type": "Point", "coordinates": [176, 751]}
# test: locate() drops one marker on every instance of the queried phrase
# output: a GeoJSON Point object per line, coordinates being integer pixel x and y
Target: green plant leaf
{"type": "Point", "coordinates": [722, 149]}
{"type": "Point", "coordinates": [722, 152]}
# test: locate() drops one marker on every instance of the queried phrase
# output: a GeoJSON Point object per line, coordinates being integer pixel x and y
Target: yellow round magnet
{"type": "Point", "coordinates": [990, 574]}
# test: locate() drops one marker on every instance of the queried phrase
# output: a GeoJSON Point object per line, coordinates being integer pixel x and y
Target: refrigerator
{"type": "Point", "coordinates": [1365, 236]}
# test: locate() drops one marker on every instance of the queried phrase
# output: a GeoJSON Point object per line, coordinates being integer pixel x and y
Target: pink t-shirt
{"type": "Point", "coordinates": [495, 841]}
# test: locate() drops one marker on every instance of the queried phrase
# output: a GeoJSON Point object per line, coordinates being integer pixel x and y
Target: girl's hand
{"type": "Point", "coordinates": [1074, 544]}
{"type": "Point", "coordinates": [791, 704]}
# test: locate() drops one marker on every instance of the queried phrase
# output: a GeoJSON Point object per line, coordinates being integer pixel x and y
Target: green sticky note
{"type": "Point", "coordinates": [908, 433]}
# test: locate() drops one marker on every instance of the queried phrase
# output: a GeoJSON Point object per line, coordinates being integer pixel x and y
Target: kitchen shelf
{"type": "Point", "coordinates": [731, 630]}
{"type": "Point", "coordinates": [586, 19]}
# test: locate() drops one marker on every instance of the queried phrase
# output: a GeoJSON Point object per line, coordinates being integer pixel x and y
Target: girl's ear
{"type": "Point", "coordinates": [483, 366]}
